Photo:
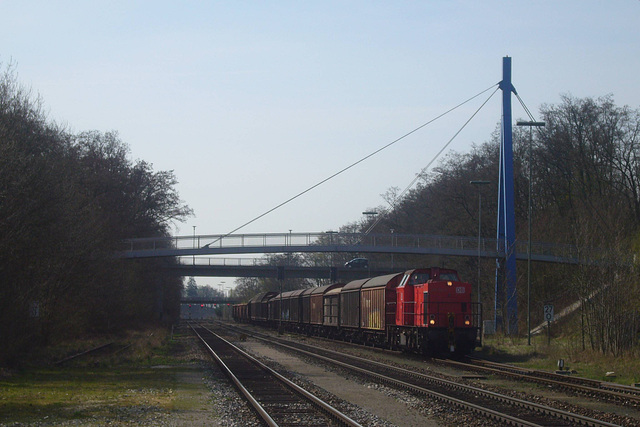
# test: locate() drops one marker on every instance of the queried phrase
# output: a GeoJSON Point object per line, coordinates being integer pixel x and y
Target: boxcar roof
{"type": "Point", "coordinates": [355, 284]}
{"type": "Point", "coordinates": [287, 294]}
{"type": "Point", "coordinates": [263, 296]}
{"type": "Point", "coordinates": [335, 290]}
{"type": "Point", "coordinates": [382, 281]}
{"type": "Point", "coordinates": [274, 297]}
{"type": "Point", "coordinates": [323, 289]}
{"type": "Point", "coordinates": [307, 292]}
{"type": "Point", "coordinates": [297, 292]}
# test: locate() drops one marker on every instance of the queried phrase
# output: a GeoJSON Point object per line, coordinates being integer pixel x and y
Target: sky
{"type": "Point", "coordinates": [253, 102]}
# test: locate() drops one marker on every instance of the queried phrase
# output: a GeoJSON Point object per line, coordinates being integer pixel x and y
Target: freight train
{"type": "Point", "coordinates": [424, 310]}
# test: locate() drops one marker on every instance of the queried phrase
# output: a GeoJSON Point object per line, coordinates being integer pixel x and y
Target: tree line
{"type": "Point", "coordinates": [67, 201]}
{"type": "Point", "coordinates": [192, 290]}
{"type": "Point", "coordinates": [585, 179]}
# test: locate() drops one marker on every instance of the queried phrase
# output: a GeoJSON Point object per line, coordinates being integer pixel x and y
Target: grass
{"type": "Point", "coordinates": [71, 393]}
{"type": "Point", "coordinates": [543, 355]}
{"type": "Point", "coordinates": [146, 379]}
{"type": "Point", "coordinates": [128, 385]}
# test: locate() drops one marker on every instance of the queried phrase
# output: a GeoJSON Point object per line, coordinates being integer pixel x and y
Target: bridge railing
{"type": "Point", "coordinates": [222, 262]}
{"type": "Point", "coordinates": [306, 239]}
{"type": "Point", "coordinates": [352, 240]}
{"type": "Point", "coordinates": [222, 241]}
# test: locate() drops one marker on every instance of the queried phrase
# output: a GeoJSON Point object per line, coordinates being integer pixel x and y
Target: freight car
{"type": "Point", "coordinates": [259, 307]}
{"type": "Point", "coordinates": [426, 310]}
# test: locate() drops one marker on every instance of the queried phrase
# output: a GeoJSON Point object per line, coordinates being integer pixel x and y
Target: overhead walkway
{"type": "Point", "coordinates": [332, 242]}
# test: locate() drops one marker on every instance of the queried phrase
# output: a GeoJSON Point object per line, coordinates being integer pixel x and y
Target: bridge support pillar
{"type": "Point", "coordinates": [506, 230]}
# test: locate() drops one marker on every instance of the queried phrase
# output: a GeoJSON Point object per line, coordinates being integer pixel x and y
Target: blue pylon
{"type": "Point", "coordinates": [506, 264]}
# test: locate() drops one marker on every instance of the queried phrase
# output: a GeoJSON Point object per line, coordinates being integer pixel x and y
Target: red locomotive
{"type": "Point", "coordinates": [426, 310]}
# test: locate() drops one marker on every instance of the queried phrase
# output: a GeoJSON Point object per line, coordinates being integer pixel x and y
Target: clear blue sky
{"type": "Point", "coordinates": [251, 102]}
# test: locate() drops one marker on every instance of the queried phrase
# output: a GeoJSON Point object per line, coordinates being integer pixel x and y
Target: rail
{"type": "Point", "coordinates": [617, 393]}
{"type": "Point", "coordinates": [506, 410]}
{"type": "Point", "coordinates": [277, 400]}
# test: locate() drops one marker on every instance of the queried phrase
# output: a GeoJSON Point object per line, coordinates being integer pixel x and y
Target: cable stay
{"type": "Point", "coordinates": [424, 170]}
{"type": "Point", "coordinates": [369, 156]}
{"type": "Point", "coordinates": [526, 110]}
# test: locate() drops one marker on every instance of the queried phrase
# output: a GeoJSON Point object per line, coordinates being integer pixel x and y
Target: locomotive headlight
{"type": "Point", "coordinates": [432, 320]}
{"type": "Point", "coordinates": [467, 321]}
{"type": "Point", "coordinates": [449, 283]}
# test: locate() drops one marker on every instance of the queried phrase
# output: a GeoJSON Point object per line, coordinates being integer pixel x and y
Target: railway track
{"type": "Point", "coordinates": [615, 393]}
{"type": "Point", "coordinates": [276, 400]}
{"type": "Point", "coordinates": [500, 408]}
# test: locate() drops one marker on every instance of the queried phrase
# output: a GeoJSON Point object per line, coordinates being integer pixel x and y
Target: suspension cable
{"type": "Point", "coordinates": [525, 108]}
{"type": "Point", "coordinates": [418, 175]}
{"type": "Point", "coordinates": [357, 162]}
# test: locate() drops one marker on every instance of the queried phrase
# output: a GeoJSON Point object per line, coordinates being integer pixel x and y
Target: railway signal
{"type": "Point", "coordinates": [549, 317]}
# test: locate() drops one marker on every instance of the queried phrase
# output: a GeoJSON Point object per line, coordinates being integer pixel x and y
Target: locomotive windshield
{"type": "Point", "coordinates": [449, 276]}
{"type": "Point", "coordinates": [418, 278]}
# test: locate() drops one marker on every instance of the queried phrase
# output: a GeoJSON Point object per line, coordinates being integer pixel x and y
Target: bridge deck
{"type": "Point", "coordinates": [343, 243]}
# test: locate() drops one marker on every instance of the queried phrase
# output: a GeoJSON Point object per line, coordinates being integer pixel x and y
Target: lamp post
{"type": "Point", "coordinates": [331, 233]}
{"type": "Point", "coordinates": [531, 125]}
{"type": "Point", "coordinates": [194, 244]}
{"type": "Point", "coordinates": [290, 244]}
{"type": "Point", "coordinates": [478, 184]}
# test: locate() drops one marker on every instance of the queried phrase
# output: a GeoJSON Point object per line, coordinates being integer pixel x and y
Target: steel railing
{"type": "Point", "coordinates": [344, 242]}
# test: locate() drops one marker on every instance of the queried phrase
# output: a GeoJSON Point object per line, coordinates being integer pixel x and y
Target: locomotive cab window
{"type": "Point", "coordinates": [449, 276]}
{"type": "Point", "coordinates": [404, 281]}
{"type": "Point", "coordinates": [419, 278]}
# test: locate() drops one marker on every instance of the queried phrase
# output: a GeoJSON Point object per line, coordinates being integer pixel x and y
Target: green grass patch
{"type": "Point", "coordinates": [81, 393]}
{"type": "Point", "coordinates": [124, 384]}
{"type": "Point", "coordinates": [543, 355]}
